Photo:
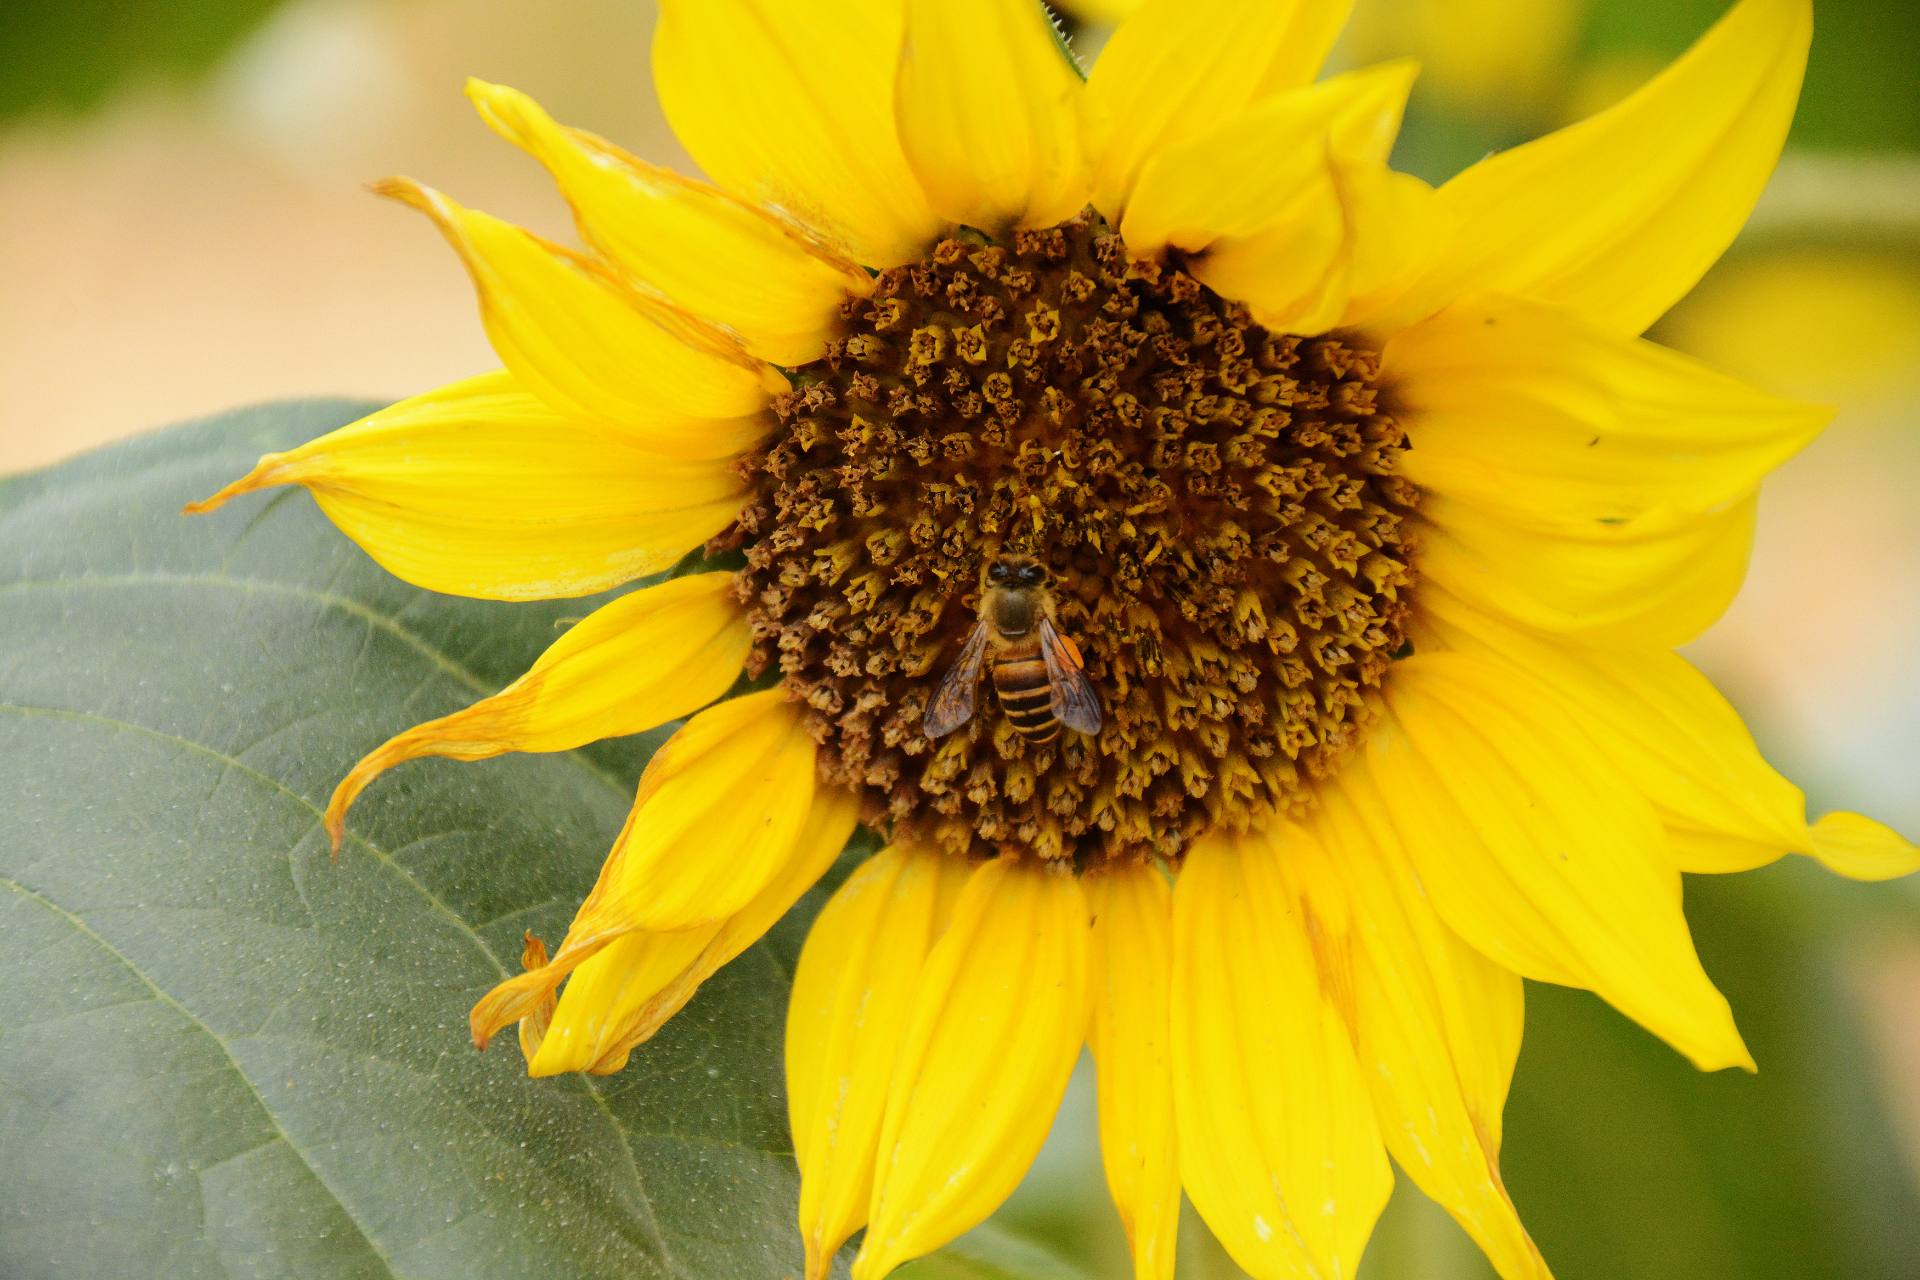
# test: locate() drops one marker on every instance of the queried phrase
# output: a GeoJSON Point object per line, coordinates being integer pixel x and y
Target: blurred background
{"type": "Point", "coordinates": [183, 229]}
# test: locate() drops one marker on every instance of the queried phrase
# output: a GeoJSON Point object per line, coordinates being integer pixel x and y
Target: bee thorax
{"type": "Point", "coordinates": [1012, 615]}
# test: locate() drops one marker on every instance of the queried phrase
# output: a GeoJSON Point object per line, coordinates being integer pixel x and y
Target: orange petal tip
{"type": "Point", "coordinates": [261, 477]}
{"type": "Point", "coordinates": [412, 194]}
{"type": "Point", "coordinates": [336, 825]}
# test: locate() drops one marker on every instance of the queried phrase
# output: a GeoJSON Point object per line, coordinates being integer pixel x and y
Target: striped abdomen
{"type": "Point", "coordinates": [1026, 695]}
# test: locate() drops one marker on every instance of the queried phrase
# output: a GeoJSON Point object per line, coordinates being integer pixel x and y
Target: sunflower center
{"type": "Point", "coordinates": [1214, 508]}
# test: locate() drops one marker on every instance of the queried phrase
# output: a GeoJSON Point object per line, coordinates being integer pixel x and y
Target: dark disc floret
{"type": "Point", "coordinates": [1217, 504]}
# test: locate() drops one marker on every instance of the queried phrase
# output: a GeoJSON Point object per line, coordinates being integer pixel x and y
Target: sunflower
{"type": "Point", "coordinates": [1358, 506]}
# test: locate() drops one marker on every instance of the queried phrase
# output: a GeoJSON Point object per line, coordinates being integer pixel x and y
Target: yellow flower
{"type": "Point", "coordinates": [1372, 517]}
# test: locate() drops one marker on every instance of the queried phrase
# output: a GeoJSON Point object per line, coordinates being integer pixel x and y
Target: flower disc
{"type": "Point", "coordinates": [1217, 504]}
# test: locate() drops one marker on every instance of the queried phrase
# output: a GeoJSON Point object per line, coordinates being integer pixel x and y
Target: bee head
{"type": "Point", "coordinates": [1015, 573]}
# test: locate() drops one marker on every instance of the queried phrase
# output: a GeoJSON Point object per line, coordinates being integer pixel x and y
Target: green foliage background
{"type": "Point", "coordinates": [67, 56]}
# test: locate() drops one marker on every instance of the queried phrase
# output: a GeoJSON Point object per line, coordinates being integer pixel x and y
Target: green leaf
{"type": "Point", "coordinates": [989, 1253]}
{"type": "Point", "coordinates": [223, 1054]}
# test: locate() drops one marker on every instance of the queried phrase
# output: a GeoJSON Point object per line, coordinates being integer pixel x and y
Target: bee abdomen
{"type": "Point", "coordinates": [1026, 695]}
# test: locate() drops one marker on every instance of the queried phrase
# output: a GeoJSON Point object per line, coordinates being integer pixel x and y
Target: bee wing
{"type": "Point", "coordinates": [952, 704]}
{"type": "Point", "coordinates": [1074, 702]}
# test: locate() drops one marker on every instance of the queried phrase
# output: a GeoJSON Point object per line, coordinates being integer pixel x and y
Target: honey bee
{"type": "Point", "coordinates": [1037, 672]}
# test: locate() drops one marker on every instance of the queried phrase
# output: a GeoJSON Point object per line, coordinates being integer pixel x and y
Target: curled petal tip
{"type": "Point", "coordinates": [350, 787]}
{"type": "Point", "coordinates": [335, 823]}
{"type": "Point", "coordinates": [504, 109]}
{"type": "Point", "coordinates": [407, 192]}
{"type": "Point", "coordinates": [443, 211]}
{"type": "Point", "coordinates": [265, 474]}
{"type": "Point", "coordinates": [481, 1025]}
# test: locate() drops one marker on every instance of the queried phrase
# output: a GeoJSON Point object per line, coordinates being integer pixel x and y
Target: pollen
{"type": "Point", "coordinates": [1217, 504]}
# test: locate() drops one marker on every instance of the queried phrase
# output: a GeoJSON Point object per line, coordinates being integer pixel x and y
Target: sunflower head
{"type": "Point", "coordinates": [1236, 583]}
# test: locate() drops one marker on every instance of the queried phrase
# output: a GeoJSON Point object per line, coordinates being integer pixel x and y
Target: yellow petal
{"type": "Point", "coordinates": [649, 657]}
{"type": "Point", "coordinates": [1538, 850]}
{"type": "Point", "coordinates": [1395, 226]}
{"type": "Point", "coordinates": [1533, 414]}
{"type": "Point", "coordinates": [732, 793]}
{"type": "Point", "coordinates": [852, 998]}
{"type": "Point", "coordinates": [1279, 1148]}
{"type": "Point", "coordinates": [1682, 746]}
{"type": "Point", "coordinates": [1435, 1024]}
{"type": "Point", "coordinates": [572, 335]}
{"type": "Point", "coordinates": [533, 1027]}
{"type": "Point", "coordinates": [988, 103]}
{"type": "Point", "coordinates": [726, 261]}
{"type": "Point", "coordinates": [998, 1018]}
{"type": "Point", "coordinates": [624, 993]}
{"type": "Point", "coordinates": [718, 809]}
{"type": "Point", "coordinates": [1295, 278]}
{"type": "Point", "coordinates": [1656, 583]}
{"type": "Point", "coordinates": [481, 489]}
{"type": "Point", "coordinates": [791, 106]}
{"type": "Point", "coordinates": [1343, 255]}
{"type": "Point", "coordinates": [1253, 171]}
{"type": "Point", "coordinates": [1618, 216]}
{"type": "Point", "coordinates": [1178, 68]}
{"type": "Point", "coordinates": [1581, 482]}
{"type": "Point", "coordinates": [601, 996]}
{"type": "Point", "coordinates": [1862, 848]}
{"type": "Point", "coordinates": [1132, 968]}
